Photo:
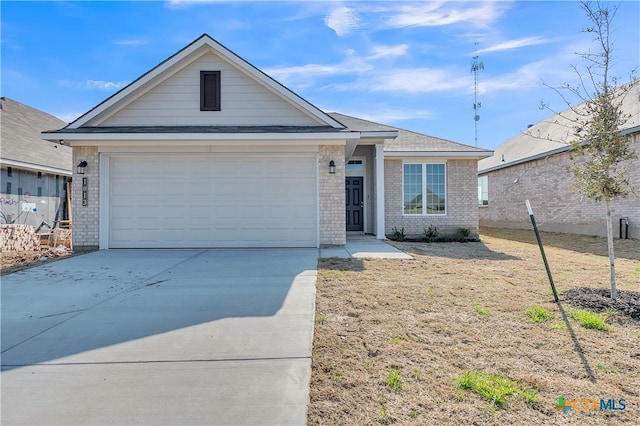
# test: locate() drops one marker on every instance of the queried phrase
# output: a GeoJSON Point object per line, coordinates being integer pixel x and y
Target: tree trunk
{"type": "Point", "coordinates": [612, 260]}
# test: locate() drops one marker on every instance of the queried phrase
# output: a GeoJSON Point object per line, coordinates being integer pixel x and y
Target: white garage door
{"type": "Point", "coordinates": [206, 200]}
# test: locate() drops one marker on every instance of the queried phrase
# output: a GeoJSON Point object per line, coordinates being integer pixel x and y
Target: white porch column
{"type": "Point", "coordinates": [380, 192]}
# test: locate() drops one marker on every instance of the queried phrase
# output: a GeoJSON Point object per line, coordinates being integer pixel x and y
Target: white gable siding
{"type": "Point", "coordinates": [176, 101]}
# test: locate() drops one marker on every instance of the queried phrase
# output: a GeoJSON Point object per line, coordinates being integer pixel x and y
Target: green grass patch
{"type": "Point", "coordinates": [559, 326]}
{"type": "Point", "coordinates": [395, 341]}
{"type": "Point", "coordinates": [589, 319]}
{"type": "Point", "coordinates": [393, 379]}
{"type": "Point", "coordinates": [480, 310]}
{"type": "Point", "coordinates": [320, 319]}
{"type": "Point", "coordinates": [494, 387]}
{"type": "Point", "coordinates": [538, 314]}
{"type": "Point", "coordinates": [607, 369]}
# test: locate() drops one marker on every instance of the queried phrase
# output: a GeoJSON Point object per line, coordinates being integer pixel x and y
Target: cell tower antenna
{"type": "Point", "coordinates": [476, 67]}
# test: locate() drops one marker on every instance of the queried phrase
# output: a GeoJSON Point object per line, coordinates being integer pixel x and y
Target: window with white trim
{"type": "Point", "coordinates": [424, 188]}
{"type": "Point", "coordinates": [483, 190]}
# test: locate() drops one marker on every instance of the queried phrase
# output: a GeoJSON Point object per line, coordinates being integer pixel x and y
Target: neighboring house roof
{"type": "Point", "coordinates": [553, 135]}
{"type": "Point", "coordinates": [22, 145]}
{"type": "Point", "coordinates": [171, 65]}
{"type": "Point", "coordinates": [408, 142]}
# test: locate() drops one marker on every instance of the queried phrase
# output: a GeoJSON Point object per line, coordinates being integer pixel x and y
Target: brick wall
{"type": "Point", "coordinates": [85, 218]}
{"type": "Point", "coordinates": [331, 196]}
{"type": "Point", "coordinates": [557, 205]}
{"type": "Point", "coordinates": [462, 200]}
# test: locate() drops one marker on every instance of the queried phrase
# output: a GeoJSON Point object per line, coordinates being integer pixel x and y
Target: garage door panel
{"type": "Point", "coordinates": [212, 201]}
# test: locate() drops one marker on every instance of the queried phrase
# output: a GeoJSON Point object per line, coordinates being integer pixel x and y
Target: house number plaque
{"type": "Point", "coordinates": [85, 185]}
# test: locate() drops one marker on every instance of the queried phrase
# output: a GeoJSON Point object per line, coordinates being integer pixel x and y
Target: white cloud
{"type": "Point", "coordinates": [389, 51]}
{"type": "Point", "coordinates": [413, 80]}
{"type": "Point", "coordinates": [301, 75]}
{"type": "Point", "coordinates": [105, 85]}
{"type": "Point", "coordinates": [177, 4]}
{"type": "Point", "coordinates": [342, 20]}
{"type": "Point", "coordinates": [441, 13]}
{"type": "Point", "coordinates": [390, 115]}
{"type": "Point", "coordinates": [513, 44]}
{"type": "Point", "coordinates": [68, 117]}
{"type": "Point", "coordinates": [131, 42]}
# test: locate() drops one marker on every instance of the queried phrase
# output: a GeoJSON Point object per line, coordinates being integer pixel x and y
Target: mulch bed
{"type": "Point", "coordinates": [599, 300]}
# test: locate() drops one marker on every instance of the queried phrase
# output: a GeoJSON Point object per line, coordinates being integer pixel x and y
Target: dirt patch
{"type": "Point", "coordinates": [459, 307]}
{"type": "Point", "coordinates": [599, 300]}
{"type": "Point", "coordinates": [13, 261]}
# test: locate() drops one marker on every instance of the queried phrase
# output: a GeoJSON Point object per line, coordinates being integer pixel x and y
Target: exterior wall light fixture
{"type": "Point", "coordinates": [332, 167]}
{"type": "Point", "coordinates": [81, 167]}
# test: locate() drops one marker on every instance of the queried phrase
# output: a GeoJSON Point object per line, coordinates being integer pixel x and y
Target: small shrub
{"type": "Point", "coordinates": [480, 310]}
{"type": "Point", "coordinates": [538, 314]}
{"type": "Point", "coordinates": [398, 234]}
{"type": "Point", "coordinates": [493, 387]}
{"type": "Point", "coordinates": [465, 232]}
{"type": "Point", "coordinates": [393, 379]}
{"type": "Point", "coordinates": [431, 233]}
{"type": "Point", "coordinates": [589, 319]}
{"type": "Point", "coordinates": [413, 413]}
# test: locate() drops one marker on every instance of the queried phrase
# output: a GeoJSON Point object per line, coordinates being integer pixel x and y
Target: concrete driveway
{"type": "Point", "coordinates": [160, 337]}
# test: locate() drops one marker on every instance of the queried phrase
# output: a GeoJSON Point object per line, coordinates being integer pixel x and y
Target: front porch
{"type": "Point", "coordinates": [363, 247]}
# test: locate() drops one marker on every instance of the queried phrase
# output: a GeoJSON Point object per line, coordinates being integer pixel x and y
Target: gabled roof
{"type": "Point", "coordinates": [21, 143]}
{"type": "Point", "coordinates": [408, 142]}
{"type": "Point", "coordinates": [553, 135]}
{"type": "Point", "coordinates": [118, 100]}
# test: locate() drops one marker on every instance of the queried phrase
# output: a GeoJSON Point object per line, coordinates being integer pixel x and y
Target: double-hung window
{"type": "Point", "coordinates": [424, 188]}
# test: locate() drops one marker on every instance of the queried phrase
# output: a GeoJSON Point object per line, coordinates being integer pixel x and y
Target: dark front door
{"type": "Point", "coordinates": [354, 203]}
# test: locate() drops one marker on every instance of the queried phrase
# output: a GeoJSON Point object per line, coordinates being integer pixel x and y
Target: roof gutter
{"type": "Point", "coordinates": [526, 160]}
{"type": "Point", "coordinates": [379, 135]}
{"type": "Point", "coordinates": [115, 137]}
{"type": "Point", "coordinates": [35, 167]}
{"type": "Point", "coordinates": [458, 154]}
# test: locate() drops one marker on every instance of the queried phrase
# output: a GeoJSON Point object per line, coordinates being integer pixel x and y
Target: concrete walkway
{"type": "Point", "coordinates": [160, 337]}
{"type": "Point", "coordinates": [364, 247]}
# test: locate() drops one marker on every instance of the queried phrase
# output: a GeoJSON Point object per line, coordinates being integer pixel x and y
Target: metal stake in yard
{"type": "Point", "coordinates": [544, 257]}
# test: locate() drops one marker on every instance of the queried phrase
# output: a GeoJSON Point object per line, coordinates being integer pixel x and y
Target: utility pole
{"type": "Point", "coordinates": [476, 66]}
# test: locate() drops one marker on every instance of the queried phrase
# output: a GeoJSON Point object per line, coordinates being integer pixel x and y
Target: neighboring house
{"type": "Point", "coordinates": [205, 150]}
{"type": "Point", "coordinates": [34, 172]}
{"type": "Point", "coordinates": [534, 165]}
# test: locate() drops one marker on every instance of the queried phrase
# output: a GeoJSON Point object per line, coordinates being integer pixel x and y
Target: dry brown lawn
{"type": "Point", "coordinates": [421, 318]}
{"type": "Point", "coordinates": [14, 261]}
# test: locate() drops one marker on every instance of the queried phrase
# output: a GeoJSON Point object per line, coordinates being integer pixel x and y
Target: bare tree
{"type": "Point", "coordinates": [598, 148]}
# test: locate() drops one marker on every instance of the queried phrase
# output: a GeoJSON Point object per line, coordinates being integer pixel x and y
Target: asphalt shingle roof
{"type": "Point", "coordinates": [552, 135]}
{"type": "Point", "coordinates": [20, 135]}
{"type": "Point", "coordinates": [407, 140]}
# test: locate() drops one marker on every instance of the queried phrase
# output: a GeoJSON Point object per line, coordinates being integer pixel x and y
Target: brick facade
{"type": "Point", "coordinates": [331, 196]}
{"type": "Point", "coordinates": [85, 218]}
{"type": "Point", "coordinates": [557, 205]}
{"type": "Point", "coordinates": [462, 209]}
{"type": "Point", "coordinates": [462, 200]}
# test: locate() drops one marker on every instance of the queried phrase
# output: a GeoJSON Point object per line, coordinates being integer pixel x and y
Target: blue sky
{"type": "Point", "coordinates": [406, 64]}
